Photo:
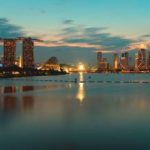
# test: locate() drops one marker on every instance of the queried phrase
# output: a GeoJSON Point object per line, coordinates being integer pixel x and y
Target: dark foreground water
{"type": "Point", "coordinates": [40, 114]}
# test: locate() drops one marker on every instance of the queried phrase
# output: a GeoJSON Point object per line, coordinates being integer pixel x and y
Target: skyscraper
{"type": "Point", "coordinates": [99, 56]}
{"type": "Point", "coordinates": [28, 55]}
{"type": "Point", "coordinates": [116, 62]}
{"type": "Point", "coordinates": [141, 62]}
{"type": "Point", "coordinates": [136, 62]}
{"type": "Point", "coordinates": [124, 61]}
{"type": "Point", "coordinates": [148, 61]}
{"type": "Point", "coordinates": [9, 52]}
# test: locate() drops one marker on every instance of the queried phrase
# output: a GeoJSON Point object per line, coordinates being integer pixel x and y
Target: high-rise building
{"type": "Point", "coordinates": [141, 62]}
{"type": "Point", "coordinates": [9, 52]}
{"type": "Point", "coordinates": [103, 65]}
{"type": "Point", "coordinates": [116, 62]}
{"type": "Point", "coordinates": [28, 54]}
{"type": "Point", "coordinates": [99, 56]}
{"type": "Point", "coordinates": [136, 62]}
{"type": "Point", "coordinates": [124, 61]}
{"type": "Point", "coordinates": [148, 61]}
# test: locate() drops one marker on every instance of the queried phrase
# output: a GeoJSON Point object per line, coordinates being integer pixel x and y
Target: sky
{"type": "Point", "coordinates": [73, 30]}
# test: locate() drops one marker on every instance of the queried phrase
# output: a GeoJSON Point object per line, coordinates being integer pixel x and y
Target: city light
{"type": "Point", "coordinates": [81, 67]}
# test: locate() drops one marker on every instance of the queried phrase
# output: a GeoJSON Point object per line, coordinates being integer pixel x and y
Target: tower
{"type": "Point", "coordinates": [9, 52]}
{"type": "Point", "coordinates": [99, 56]}
{"type": "Point", "coordinates": [141, 62]}
{"type": "Point", "coordinates": [124, 61]}
{"type": "Point", "coordinates": [28, 55]}
{"type": "Point", "coordinates": [148, 61]}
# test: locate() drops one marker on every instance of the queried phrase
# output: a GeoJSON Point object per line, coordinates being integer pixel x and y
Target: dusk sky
{"type": "Point", "coordinates": [74, 29]}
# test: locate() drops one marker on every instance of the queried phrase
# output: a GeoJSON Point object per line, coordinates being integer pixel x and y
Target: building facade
{"type": "Point", "coordinates": [28, 54]}
{"type": "Point", "coordinates": [124, 61]}
{"type": "Point", "coordinates": [9, 52]}
{"type": "Point", "coordinates": [141, 61]}
{"type": "Point", "coordinates": [99, 56]}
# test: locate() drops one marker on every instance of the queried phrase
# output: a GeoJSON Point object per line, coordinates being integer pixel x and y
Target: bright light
{"type": "Point", "coordinates": [81, 67]}
{"type": "Point", "coordinates": [143, 46]}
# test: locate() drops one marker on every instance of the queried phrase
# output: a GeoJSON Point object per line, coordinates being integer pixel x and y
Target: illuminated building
{"type": "Point", "coordinates": [136, 61]}
{"type": "Point", "coordinates": [9, 52]}
{"type": "Point", "coordinates": [51, 64]}
{"type": "Point", "coordinates": [99, 56]}
{"type": "Point", "coordinates": [124, 61]}
{"type": "Point", "coordinates": [141, 62]}
{"type": "Point", "coordinates": [1, 61]}
{"type": "Point", "coordinates": [148, 61]}
{"type": "Point", "coordinates": [18, 61]}
{"type": "Point", "coordinates": [102, 62]}
{"type": "Point", "coordinates": [103, 65]}
{"type": "Point", "coordinates": [28, 55]}
{"type": "Point", "coordinates": [116, 62]}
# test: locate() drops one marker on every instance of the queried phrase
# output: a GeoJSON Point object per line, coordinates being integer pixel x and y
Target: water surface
{"type": "Point", "coordinates": [57, 113]}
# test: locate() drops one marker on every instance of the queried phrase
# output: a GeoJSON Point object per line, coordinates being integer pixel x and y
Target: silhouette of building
{"type": "Point", "coordinates": [9, 52]}
{"type": "Point", "coordinates": [28, 54]}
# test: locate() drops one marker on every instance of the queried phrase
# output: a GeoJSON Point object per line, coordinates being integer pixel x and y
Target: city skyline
{"type": "Point", "coordinates": [66, 28]}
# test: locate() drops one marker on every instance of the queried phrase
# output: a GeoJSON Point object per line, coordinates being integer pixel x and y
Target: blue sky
{"type": "Point", "coordinates": [94, 24]}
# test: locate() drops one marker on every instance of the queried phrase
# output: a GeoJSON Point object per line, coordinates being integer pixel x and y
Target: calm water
{"type": "Point", "coordinates": [37, 113]}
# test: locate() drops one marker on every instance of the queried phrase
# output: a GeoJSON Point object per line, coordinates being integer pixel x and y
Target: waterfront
{"type": "Point", "coordinates": [43, 113]}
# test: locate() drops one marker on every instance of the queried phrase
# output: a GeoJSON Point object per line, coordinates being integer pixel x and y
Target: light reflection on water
{"type": "Point", "coordinates": [81, 93]}
{"type": "Point", "coordinates": [48, 115]}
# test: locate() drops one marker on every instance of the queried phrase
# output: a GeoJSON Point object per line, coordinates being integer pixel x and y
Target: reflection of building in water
{"type": "Point", "coordinates": [9, 89]}
{"type": "Point", "coordinates": [9, 103]}
{"type": "Point", "coordinates": [81, 93]}
{"type": "Point", "coordinates": [27, 88]}
{"type": "Point", "coordinates": [16, 102]}
{"type": "Point", "coordinates": [27, 102]}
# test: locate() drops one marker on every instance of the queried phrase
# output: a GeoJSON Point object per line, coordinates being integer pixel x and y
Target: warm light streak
{"type": "Point", "coordinates": [81, 93]}
{"type": "Point", "coordinates": [116, 64]}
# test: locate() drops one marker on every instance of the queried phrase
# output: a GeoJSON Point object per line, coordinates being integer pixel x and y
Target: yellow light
{"type": "Point", "coordinates": [116, 64]}
{"type": "Point", "coordinates": [81, 93]}
{"type": "Point", "coordinates": [81, 67]}
{"type": "Point", "coordinates": [142, 46]}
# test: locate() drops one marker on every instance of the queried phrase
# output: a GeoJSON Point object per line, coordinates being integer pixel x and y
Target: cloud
{"type": "Point", "coordinates": [82, 41]}
{"type": "Point", "coordinates": [68, 22]}
{"type": "Point", "coordinates": [145, 36]}
{"type": "Point", "coordinates": [96, 37]}
{"type": "Point", "coordinates": [8, 30]}
{"type": "Point", "coordinates": [77, 35]}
